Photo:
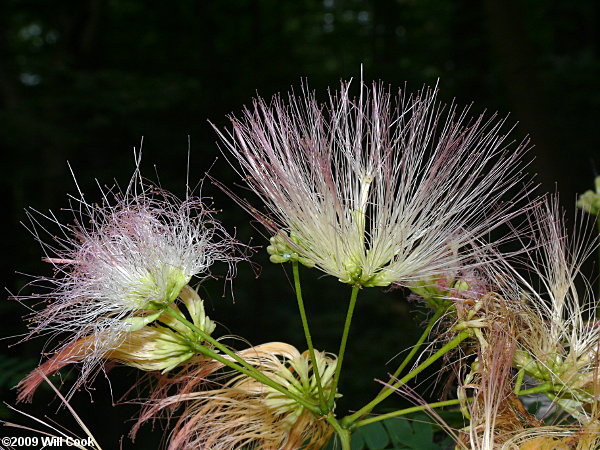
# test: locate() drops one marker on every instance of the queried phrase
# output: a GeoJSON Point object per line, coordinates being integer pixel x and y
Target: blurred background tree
{"type": "Point", "coordinates": [82, 81]}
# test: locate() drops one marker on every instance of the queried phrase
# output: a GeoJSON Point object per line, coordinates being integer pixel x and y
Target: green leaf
{"type": "Point", "coordinates": [452, 417]}
{"type": "Point", "coordinates": [415, 434]}
{"type": "Point", "coordinates": [375, 436]}
{"type": "Point", "coordinates": [423, 428]}
{"type": "Point", "coordinates": [398, 429]}
{"type": "Point", "coordinates": [357, 442]}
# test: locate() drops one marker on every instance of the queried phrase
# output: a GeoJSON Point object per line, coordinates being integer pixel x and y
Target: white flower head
{"type": "Point", "coordinates": [373, 191]}
{"type": "Point", "coordinates": [120, 262]}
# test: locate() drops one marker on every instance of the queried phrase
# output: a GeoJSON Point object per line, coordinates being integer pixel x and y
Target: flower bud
{"type": "Point", "coordinates": [589, 201]}
{"type": "Point", "coordinates": [158, 347]}
{"type": "Point", "coordinates": [153, 348]}
{"type": "Point", "coordinates": [282, 250]}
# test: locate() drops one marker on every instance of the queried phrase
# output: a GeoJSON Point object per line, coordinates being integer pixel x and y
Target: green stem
{"type": "Point", "coordinates": [343, 433]}
{"type": "Point", "coordinates": [338, 369]}
{"type": "Point", "coordinates": [519, 381]}
{"type": "Point", "coordinates": [243, 366]}
{"type": "Point", "coordinates": [401, 412]}
{"type": "Point", "coordinates": [536, 390]}
{"type": "Point", "coordinates": [576, 414]}
{"type": "Point", "coordinates": [438, 313]}
{"type": "Point", "coordinates": [311, 349]}
{"type": "Point", "coordinates": [348, 420]}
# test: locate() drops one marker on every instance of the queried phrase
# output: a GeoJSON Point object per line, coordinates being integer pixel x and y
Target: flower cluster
{"type": "Point", "coordinates": [154, 342]}
{"type": "Point", "coordinates": [560, 345]}
{"type": "Point", "coordinates": [545, 331]}
{"type": "Point", "coordinates": [118, 266]}
{"type": "Point", "coordinates": [375, 192]}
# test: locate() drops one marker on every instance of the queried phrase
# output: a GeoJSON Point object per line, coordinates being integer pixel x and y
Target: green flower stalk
{"type": "Point", "coordinates": [166, 343]}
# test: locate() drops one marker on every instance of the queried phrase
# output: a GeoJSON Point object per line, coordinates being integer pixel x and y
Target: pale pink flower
{"type": "Point", "coordinates": [118, 265]}
{"type": "Point", "coordinates": [373, 189]}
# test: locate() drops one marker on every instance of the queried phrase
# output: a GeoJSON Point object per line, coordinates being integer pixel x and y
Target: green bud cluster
{"type": "Point", "coordinates": [436, 296]}
{"type": "Point", "coordinates": [159, 342]}
{"type": "Point", "coordinates": [281, 250]}
{"type": "Point", "coordinates": [589, 201]}
{"type": "Point", "coordinates": [563, 373]}
{"type": "Point", "coordinates": [354, 275]}
{"type": "Point", "coordinates": [168, 285]}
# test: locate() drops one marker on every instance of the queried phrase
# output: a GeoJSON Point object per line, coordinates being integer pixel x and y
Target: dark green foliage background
{"type": "Point", "coordinates": [82, 81]}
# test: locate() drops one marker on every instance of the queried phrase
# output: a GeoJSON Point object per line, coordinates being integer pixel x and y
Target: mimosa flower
{"type": "Point", "coordinates": [120, 263]}
{"type": "Point", "coordinates": [559, 336]}
{"type": "Point", "coordinates": [243, 412]}
{"type": "Point", "coordinates": [375, 192]}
